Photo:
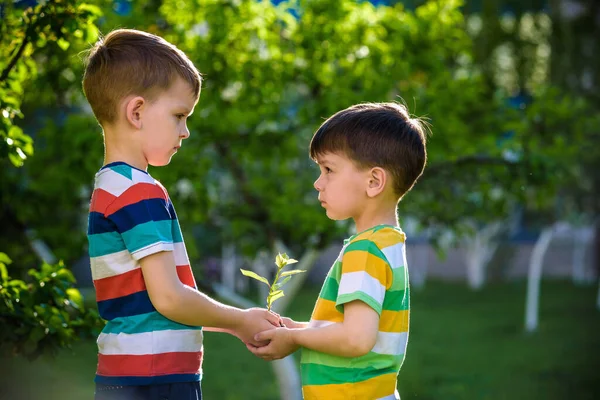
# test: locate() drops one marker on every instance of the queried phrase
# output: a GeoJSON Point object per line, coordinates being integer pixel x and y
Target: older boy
{"type": "Point", "coordinates": [370, 156]}
{"type": "Point", "coordinates": [142, 89]}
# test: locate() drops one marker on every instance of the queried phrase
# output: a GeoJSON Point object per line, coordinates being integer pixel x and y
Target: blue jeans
{"type": "Point", "coordinates": [168, 391]}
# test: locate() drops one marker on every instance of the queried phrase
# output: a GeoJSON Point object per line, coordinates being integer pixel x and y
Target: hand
{"type": "Point", "coordinates": [289, 323]}
{"type": "Point", "coordinates": [255, 320]}
{"type": "Point", "coordinates": [281, 344]}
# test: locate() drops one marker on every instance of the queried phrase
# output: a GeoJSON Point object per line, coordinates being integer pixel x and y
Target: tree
{"type": "Point", "coordinates": [44, 312]}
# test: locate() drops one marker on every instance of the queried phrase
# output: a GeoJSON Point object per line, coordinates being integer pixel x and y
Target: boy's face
{"type": "Point", "coordinates": [165, 123]}
{"type": "Point", "coordinates": [341, 186]}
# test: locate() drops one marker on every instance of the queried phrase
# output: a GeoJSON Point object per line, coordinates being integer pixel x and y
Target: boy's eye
{"type": "Point", "coordinates": [180, 116]}
{"type": "Point", "coordinates": [327, 169]}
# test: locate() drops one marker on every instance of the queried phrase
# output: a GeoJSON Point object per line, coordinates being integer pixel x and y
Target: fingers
{"type": "Point", "coordinates": [274, 318]}
{"type": "Point", "coordinates": [252, 348]}
{"type": "Point", "coordinates": [264, 335]}
{"type": "Point", "coordinates": [261, 352]}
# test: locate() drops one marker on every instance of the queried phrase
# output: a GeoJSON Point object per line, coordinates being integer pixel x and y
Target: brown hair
{"type": "Point", "coordinates": [376, 135]}
{"type": "Point", "coordinates": [129, 62]}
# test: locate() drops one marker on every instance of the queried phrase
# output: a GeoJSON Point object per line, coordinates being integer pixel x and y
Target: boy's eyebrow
{"type": "Point", "coordinates": [185, 109]}
{"type": "Point", "coordinates": [323, 161]}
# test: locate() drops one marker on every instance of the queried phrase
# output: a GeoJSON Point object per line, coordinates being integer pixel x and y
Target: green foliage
{"type": "Point", "coordinates": [275, 291]}
{"type": "Point", "coordinates": [271, 79]}
{"type": "Point", "coordinates": [44, 314]}
{"type": "Point", "coordinates": [21, 34]}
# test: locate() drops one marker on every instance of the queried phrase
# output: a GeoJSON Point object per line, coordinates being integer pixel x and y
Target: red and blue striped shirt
{"type": "Point", "coordinates": [131, 217]}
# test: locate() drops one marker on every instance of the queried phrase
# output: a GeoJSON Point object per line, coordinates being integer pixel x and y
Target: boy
{"type": "Point", "coordinates": [370, 156]}
{"type": "Point", "coordinates": [142, 89]}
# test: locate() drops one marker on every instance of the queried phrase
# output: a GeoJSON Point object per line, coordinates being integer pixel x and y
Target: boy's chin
{"type": "Point", "coordinates": [334, 216]}
{"type": "Point", "coordinates": [159, 163]}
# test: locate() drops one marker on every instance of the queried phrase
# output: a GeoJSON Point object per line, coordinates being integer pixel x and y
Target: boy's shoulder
{"type": "Point", "coordinates": [382, 236]}
{"type": "Point", "coordinates": [122, 181]}
{"type": "Point", "coordinates": [119, 176]}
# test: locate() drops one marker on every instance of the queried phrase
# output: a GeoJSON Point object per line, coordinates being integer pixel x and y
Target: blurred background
{"type": "Point", "coordinates": [503, 227]}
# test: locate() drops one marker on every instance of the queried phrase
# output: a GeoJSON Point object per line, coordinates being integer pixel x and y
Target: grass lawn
{"type": "Point", "coordinates": [462, 345]}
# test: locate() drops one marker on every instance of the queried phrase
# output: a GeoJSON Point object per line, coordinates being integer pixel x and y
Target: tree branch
{"type": "Point", "coordinates": [261, 213]}
{"type": "Point", "coordinates": [15, 59]}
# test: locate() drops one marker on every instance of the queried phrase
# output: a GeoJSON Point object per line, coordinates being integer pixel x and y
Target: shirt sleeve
{"type": "Point", "coordinates": [143, 216]}
{"type": "Point", "coordinates": [365, 276]}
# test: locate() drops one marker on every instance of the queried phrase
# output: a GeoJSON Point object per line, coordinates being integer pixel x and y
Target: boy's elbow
{"type": "Point", "coordinates": [165, 302]}
{"type": "Point", "coordinates": [360, 345]}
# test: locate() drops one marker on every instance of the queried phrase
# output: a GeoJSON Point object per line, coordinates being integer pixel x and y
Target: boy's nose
{"type": "Point", "coordinates": [318, 184]}
{"type": "Point", "coordinates": [185, 134]}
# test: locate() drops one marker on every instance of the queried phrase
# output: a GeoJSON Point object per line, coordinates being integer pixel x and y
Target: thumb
{"type": "Point", "coordinates": [264, 335]}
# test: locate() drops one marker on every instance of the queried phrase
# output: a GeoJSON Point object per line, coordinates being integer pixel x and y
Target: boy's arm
{"type": "Point", "coordinates": [354, 337]}
{"type": "Point", "coordinates": [188, 306]}
{"type": "Point", "coordinates": [290, 323]}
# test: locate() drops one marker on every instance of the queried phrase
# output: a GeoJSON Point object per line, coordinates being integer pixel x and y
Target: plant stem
{"type": "Point", "coordinates": [279, 269]}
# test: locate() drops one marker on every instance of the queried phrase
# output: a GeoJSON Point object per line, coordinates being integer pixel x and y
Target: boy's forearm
{"type": "Point", "coordinates": [290, 323]}
{"type": "Point", "coordinates": [191, 307]}
{"type": "Point", "coordinates": [332, 339]}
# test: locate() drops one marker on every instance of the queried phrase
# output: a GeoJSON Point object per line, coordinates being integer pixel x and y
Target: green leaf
{"type": "Point", "coordinates": [279, 261]}
{"type": "Point", "coordinates": [3, 273]}
{"type": "Point", "coordinates": [254, 275]}
{"type": "Point", "coordinates": [75, 297]}
{"type": "Point", "coordinates": [274, 296]}
{"type": "Point", "coordinates": [274, 293]}
{"type": "Point", "coordinates": [292, 272]}
{"type": "Point", "coordinates": [283, 282]}
{"type": "Point", "coordinates": [95, 10]}
{"type": "Point", "coordinates": [5, 259]}
{"type": "Point", "coordinates": [282, 260]}
{"type": "Point", "coordinates": [63, 44]}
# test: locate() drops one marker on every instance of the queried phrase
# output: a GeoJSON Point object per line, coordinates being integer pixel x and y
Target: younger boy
{"type": "Point", "coordinates": [142, 89]}
{"type": "Point", "coordinates": [370, 156]}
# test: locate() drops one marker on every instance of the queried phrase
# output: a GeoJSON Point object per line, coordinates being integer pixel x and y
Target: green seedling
{"type": "Point", "coordinates": [281, 277]}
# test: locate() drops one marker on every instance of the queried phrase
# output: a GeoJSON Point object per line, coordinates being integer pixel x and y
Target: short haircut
{"type": "Point", "coordinates": [129, 61]}
{"type": "Point", "coordinates": [376, 135]}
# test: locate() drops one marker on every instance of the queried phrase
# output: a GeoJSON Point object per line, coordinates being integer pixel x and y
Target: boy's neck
{"type": "Point", "coordinates": [118, 149]}
{"type": "Point", "coordinates": [382, 216]}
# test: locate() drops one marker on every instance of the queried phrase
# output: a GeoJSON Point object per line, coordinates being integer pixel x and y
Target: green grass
{"type": "Point", "coordinates": [463, 345]}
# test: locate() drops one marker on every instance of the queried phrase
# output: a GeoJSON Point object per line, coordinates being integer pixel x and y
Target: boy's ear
{"type": "Point", "coordinates": [377, 181]}
{"type": "Point", "coordinates": [133, 111]}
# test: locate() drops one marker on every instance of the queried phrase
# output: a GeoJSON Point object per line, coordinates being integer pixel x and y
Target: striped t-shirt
{"type": "Point", "coordinates": [371, 268]}
{"type": "Point", "coordinates": [131, 217]}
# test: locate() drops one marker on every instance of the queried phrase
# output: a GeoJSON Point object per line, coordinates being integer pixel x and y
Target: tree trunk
{"type": "Point", "coordinates": [582, 238]}
{"type": "Point", "coordinates": [260, 265]}
{"type": "Point", "coordinates": [285, 370]}
{"type": "Point", "coordinates": [479, 251]}
{"type": "Point", "coordinates": [598, 298]}
{"type": "Point", "coordinates": [475, 266]}
{"type": "Point", "coordinates": [290, 387]}
{"type": "Point", "coordinates": [534, 279]}
{"type": "Point", "coordinates": [229, 266]}
{"type": "Point", "coordinates": [40, 248]}
{"type": "Point", "coordinates": [418, 260]}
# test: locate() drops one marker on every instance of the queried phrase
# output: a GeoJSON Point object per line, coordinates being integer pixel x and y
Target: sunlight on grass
{"type": "Point", "coordinates": [463, 345]}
